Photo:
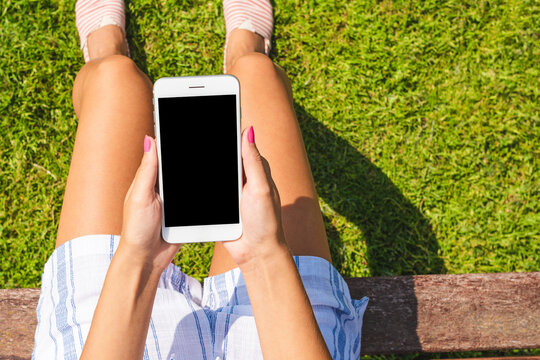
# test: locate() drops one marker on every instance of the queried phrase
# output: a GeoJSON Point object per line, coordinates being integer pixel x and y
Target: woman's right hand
{"type": "Point", "coordinates": [260, 209]}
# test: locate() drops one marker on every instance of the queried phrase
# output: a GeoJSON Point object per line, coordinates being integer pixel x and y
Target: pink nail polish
{"type": "Point", "coordinates": [147, 143]}
{"type": "Point", "coordinates": [251, 135]}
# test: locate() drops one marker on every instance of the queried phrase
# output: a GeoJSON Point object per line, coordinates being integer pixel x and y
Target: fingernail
{"type": "Point", "coordinates": [147, 143]}
{"type": "Point", "coordinates": [251, 135]}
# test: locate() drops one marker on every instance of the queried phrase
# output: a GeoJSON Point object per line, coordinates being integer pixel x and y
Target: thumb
{"type": "Point", "coordinates": [145, 178]}
{"type": "Point", "coordinates": [254, 167]}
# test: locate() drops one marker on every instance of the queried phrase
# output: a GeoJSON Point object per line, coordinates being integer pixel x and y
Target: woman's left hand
{"type": "Point", "coordinates": [141, 228]}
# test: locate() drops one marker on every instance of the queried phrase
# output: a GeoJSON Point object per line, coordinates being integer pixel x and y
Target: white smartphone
{"type": "Point", "coordinates": [197, 126]}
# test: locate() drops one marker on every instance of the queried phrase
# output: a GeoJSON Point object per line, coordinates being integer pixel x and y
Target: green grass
{"type": "Point", "coordinates": [421, 120]}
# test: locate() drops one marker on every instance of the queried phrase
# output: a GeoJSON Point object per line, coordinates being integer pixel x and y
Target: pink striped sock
{"type": "Point", "coordinates": [252, 15]}
{"type": "Point", "coordinates": [91, 15]}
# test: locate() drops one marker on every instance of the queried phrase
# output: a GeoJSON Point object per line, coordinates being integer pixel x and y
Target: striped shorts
{"type": "Point", "coordinates": [189, 320]}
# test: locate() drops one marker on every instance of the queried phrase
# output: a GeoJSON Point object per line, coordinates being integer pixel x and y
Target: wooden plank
{"type": "Point", "coordinates": [428, 313]}
{"type": "Point", "coordinates": [17, 322]}
{"type": "Point", "coordinates": [440, 313]}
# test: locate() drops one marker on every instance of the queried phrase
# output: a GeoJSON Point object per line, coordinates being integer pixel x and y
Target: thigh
{"type": "Point", "coordinates": [113, 102]}
{"type": "Point", "coordinates": [266, 101]}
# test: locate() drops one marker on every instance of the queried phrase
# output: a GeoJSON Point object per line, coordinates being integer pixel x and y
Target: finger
{"type": "Point", "coordinates": [145, 178]}
{"type": "Point", "coordinates": [254, 168]}
{"type": "Point", "coordinates": [267, 170]}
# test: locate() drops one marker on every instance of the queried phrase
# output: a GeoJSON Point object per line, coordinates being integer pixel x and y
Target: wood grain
{"type": "Point", "coordinates": [17, 322]}
{"type": "Point", "coordinates": [439, 313]}
{"type": "Point", "coordinates": [424, 313]}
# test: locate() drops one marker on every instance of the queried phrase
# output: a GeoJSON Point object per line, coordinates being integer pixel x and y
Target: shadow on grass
{"type": "Point", "coordinates": [399, 239]}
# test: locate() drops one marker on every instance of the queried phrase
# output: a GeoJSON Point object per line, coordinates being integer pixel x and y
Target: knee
{"type": "Point", "coordinates": [112, 73]}
{"type": "Point", "coordinates": [257, 68]}
{"type": "Point", "coordinates": [253, 63]}
{"type": "Point", "coordinates": [116, 69]}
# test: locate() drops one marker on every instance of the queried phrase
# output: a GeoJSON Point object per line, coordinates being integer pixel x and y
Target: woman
{"type": "Point", "coordinates": [109, 289]}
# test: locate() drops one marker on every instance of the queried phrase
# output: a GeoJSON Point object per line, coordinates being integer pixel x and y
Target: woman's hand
{"type": "Point", "coordinates": [119, 328]}
{"type": "Point", "coordinates": [260, 208]}
{"type": "Point", "coordinates": [141, 228]}
{"type": "Point", "coordinates": [275, 288]}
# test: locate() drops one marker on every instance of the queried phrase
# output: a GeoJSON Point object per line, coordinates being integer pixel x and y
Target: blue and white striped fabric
{"type": "Point", "coordinates": [188, 321]}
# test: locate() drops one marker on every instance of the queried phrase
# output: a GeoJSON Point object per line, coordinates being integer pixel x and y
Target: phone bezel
{"type": "Point", "coordinates": [187, 86]}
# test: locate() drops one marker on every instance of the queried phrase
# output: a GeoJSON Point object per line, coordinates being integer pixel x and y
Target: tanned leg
{"type": "Point", "coordinates": [112, 99]}
{"type": "Point", "coordinates": [266, 100]}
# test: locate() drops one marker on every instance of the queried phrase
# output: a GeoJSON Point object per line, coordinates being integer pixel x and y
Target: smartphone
{"type": "Point", "coordinates": [197, 127]}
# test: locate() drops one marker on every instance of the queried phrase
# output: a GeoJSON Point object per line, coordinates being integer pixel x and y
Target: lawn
{"type": "Point", "coordinates": [421, 121]}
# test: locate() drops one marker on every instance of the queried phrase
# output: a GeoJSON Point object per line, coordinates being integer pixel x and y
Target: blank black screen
{"type": "Point", "coordinates": [199, 160]}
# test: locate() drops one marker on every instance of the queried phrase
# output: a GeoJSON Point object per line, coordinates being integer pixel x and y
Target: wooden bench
{"type": "Point", "coordinates": [425, 313]}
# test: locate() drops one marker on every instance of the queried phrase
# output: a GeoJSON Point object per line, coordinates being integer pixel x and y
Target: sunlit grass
{"type": "Point", "coordinates": [421, 121]}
